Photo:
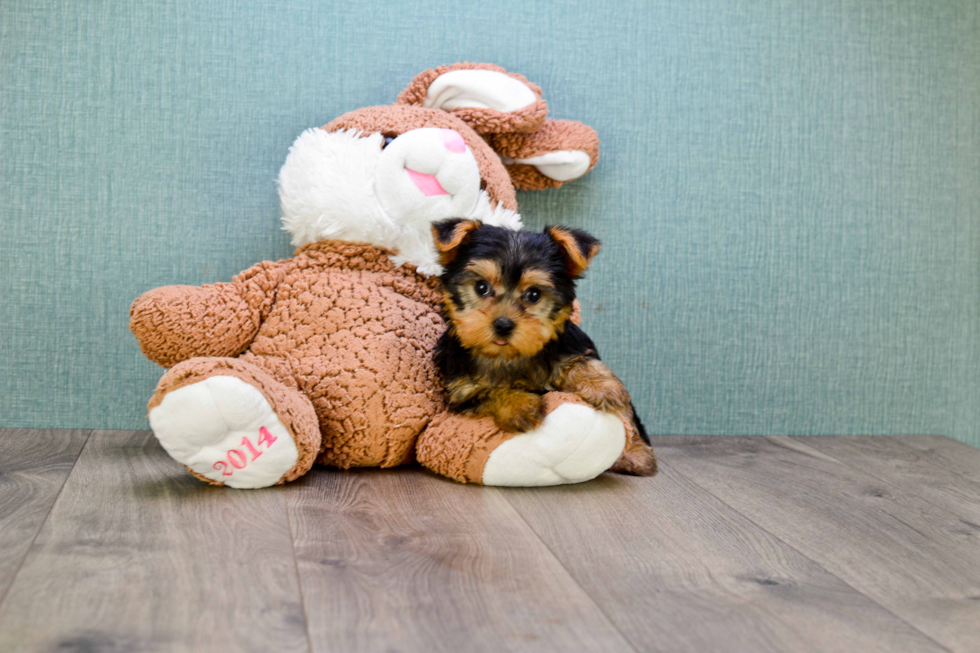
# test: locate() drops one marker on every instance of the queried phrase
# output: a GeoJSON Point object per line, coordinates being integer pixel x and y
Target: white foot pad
{"type": "Point", "coordinates": [574, 444]}
{"type": "Point", "coordinates": [224, 429]}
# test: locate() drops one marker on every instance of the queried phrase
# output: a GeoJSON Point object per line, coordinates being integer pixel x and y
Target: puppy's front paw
{"type": "Point", "coordinates": [598, 386]}
{"type": "Point", "coordinates": [604, 394]}
{"type": "Point", "coordinates": [517, 412]}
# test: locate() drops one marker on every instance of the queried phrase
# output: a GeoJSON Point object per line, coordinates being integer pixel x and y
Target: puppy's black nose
{"type": "Point", "coordinates": [503, 326]}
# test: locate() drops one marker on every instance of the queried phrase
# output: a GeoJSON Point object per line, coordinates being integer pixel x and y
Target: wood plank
{"type": "Point", "coordinates": [919, 472]}
{"type": "Point", "coordinates": [917, 560]}
{"type": "Point", "coordinates": [33, 467]}
{"type": "Point", "coordinates": [403, 560]}
{"type": "Point", "coordinates": [955, 456]}
{"type": "Point", "coordinates": [678, 570]}
{"type": "Point", "coordinates": [138, 555]}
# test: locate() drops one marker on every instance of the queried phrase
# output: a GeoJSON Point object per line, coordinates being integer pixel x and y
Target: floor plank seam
{"type": "Point", "coordinates": [935, 452]}
{"type": "Point", "coordinates": [871, 474]}
{"type": "Point", "coordinates": [20, 565]}
{"type": "Point", "coordinates": [299, 579]}
{"type": "Point", "coordinates": [815, 562]}
{"type": "Point", "coordinates": [592, 600]}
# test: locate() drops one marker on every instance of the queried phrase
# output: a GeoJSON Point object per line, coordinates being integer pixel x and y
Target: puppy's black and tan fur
{"type": "Point", "coordinates": [507, 299]}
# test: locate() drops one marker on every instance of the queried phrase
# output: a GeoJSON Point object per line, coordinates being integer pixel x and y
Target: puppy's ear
{"type": "Point", "coordinates": [450, 235]}
{"type": "Point", "coordinates": [577, 247]}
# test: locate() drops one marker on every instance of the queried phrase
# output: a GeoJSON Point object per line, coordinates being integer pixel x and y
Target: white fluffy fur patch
{"type": "Point", "coordinates": [327, 190]}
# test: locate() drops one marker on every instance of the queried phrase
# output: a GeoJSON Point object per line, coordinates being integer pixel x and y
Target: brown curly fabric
{"type": "Point", "coordinates": [453, 445]}
{"type": "Point", "coordinates": [342, 325]}
{"type": "Point", "coordinates": [293, 409]}
{"type": "Point", "coordinates": [458, 446]}
{"type": "Point", "coordinates": [398, 119]}
{"type": "Point", "coordinates": [484, 121]}
{"type": "Point", "coordinates": [553, 136]}
{"type": "Point", "coordinates": [174, 323]}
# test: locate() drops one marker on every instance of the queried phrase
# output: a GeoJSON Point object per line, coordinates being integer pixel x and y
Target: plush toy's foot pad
{"type": "Point", "coordinates": [224, 429]}
{"type": "Point", "coordinates": [575, 443]}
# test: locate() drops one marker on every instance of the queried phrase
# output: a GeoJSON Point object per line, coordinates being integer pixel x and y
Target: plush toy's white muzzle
{"type": "Point", "coordinates": [347, 186]}
{"type": "Point", "coordinates": [426, 175]}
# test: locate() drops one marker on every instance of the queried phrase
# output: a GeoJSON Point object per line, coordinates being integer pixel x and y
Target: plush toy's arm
{"type": "Point", "coordinates": [175, 323]}
{"type": "Point", "coordinates": [575, 443]}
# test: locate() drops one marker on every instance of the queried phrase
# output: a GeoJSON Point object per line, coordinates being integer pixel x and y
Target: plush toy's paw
{"type": "Point", "coordinates": [575, 443]}
{"type": "Point", "coordinates": [223, 429]}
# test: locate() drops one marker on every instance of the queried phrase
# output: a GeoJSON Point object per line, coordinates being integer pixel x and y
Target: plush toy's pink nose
{"type": "Point", "coordinates": [453, 141]}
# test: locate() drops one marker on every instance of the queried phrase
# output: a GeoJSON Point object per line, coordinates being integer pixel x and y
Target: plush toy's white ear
{"type": "Point", "coordinates": [563, 165]}
{"type": "Point", "coordinates": [479, 89]}
{"type": "Point", "coordinates": [562, 150]}
{"type": "Point", "coordinates": [486, 97]}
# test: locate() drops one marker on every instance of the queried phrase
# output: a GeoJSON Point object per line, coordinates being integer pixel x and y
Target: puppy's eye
{"type": "Point", "coordinates": [532, 295]}
{"type": "Point", "coordinates": [387, 141]}
{"type": "Point", "coordinates": [482, 288]}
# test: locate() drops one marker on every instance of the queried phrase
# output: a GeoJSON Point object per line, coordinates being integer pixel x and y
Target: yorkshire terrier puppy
{"type": "Point", "coordinates": [507, 299]}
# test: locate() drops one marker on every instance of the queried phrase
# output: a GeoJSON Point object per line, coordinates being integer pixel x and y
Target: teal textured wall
{"type": "Point", "coordinates": [789, 191]}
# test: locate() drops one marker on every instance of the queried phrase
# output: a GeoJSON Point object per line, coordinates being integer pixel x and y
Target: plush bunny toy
{"type": "Point", "coordinates": [326, 357]}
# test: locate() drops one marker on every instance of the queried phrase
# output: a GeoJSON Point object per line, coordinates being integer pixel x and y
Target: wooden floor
{"type": "Point", "coordinates": [739, 544]}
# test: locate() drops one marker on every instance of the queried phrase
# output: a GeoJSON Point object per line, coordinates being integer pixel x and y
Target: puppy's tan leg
{"type": "Point", "coordinates": [637, 458]}
{"type": "Point", "coordinates": [591, 380]}
{"type": "Point", "coordinates": [464, 390]}
{"type": "Point", "coordinates": [514, 411]}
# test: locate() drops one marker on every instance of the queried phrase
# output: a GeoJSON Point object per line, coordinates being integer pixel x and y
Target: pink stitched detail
{"type": "Point", "coordinates": [234, 458]}
{"type": "Point", "coordinates": [267, 438]}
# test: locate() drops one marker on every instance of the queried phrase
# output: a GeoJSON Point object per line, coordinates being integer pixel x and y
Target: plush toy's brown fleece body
{"type": "Point", "coordinates": [339, 341]}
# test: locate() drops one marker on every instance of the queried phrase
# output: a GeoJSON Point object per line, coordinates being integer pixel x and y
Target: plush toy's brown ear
{"type": "Point", "coordinates": [486, 97]}
{"type": "Point", "coordinates": [450, 234]}
{"type": "Point", "coordinates": [578, 248]}
{"type": "Point", "coordinates": [562, 150]}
